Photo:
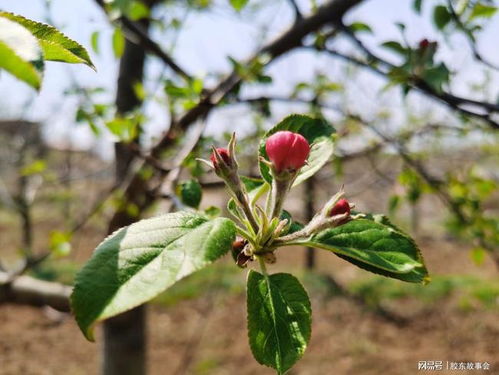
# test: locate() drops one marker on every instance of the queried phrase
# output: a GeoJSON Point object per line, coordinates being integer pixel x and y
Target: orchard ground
{"type": "Point", "coordinates": [199, 326]}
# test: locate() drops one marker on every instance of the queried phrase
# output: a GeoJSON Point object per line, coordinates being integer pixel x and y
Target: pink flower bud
{"type": "Point", "coordinates": [423, 44]}
{"type": "Point", "coordinates": [223, 153]}
{"type": "Point", "coordinates": [341, 207]}
{"type": "Point", "coordinates": [287, 150]}
{"type": "Point", "coordinates": [426, 45]}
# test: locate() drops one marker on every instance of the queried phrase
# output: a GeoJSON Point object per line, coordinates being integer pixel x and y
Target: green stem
{"type": "Point", "coordinates": [243, 233]}
{"type": "Point", "coordinates": [234, 184]}
{"type": "Point", "coordinates": [263, 267]}
{"type": "Point", "coordinates": [243, 201]}
{"type": "Point", "coordinates": [279, 191]}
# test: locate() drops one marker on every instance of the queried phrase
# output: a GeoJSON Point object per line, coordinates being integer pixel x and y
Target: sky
{"type": "Point", "coordinates": [202, 47]}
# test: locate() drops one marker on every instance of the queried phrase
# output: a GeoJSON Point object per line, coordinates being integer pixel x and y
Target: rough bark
{"type": "Point", "coordinates": [131, 72]}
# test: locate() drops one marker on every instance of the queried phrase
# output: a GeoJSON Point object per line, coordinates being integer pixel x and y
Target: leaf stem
{"type": "Point", "coordinates": [236, 188]}
{"type": "Point", "coordinates": [280, 188]}
{"type": "Point", "coordinates": [242, 198]}
{"type": "Point", "coordinates": [263, 267]}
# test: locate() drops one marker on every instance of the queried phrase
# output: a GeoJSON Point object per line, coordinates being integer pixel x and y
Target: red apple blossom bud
{"type": "Point", "coordinates": [423, 44]}
{"type": "Point", "coordinates": [287, 150]}
{"type": "Point", "coordinates": [223, 153]}
{"type": "Point", "coordinates": [341, 207]}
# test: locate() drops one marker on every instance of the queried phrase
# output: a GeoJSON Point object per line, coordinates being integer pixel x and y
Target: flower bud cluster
{"type": "Point", "coordinates": [265, 229]}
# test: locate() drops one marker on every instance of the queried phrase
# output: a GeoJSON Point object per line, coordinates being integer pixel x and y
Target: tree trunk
{"type": "Point", "coordinates": [131, 72]}
{"type": "Point", "coordinates": [124, 351]}
{"type": "Point", "coordinates": [22, 201]}
{"type": "Point", "coordinates": [67, 185]}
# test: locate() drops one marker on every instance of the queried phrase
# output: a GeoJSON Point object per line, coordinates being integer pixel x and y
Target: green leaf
{"type": "Point", "coordinates": [94, 41]}
{"type": "Point", "coordinates": [437, 76]}
{"type": "Point", "coordinates": [374, 246]}
{"type": "Point", "coordinates": [477, 255]}
{"type": "Point", "coordinates": [317, 132]}
{"type": "Point", "coordinates": [55, 45]}
{"type": "Point", "coordinates": [395, 47]}
{"type": "Point", "coordinates": [138, 10]}
{"type": "Point", "coordinates": [383, 219]}
{"type": "Point", "coordinates": [133, 9]}
{"type": "Point", "coordinates": [238, 5]}
{"type": "Point", "coordinates": [36, 167]}
{"type": "Point", "coordinates": [125, 128]}
{"type": "Point", "coordinates": [358, 27]}
{"type": "Point", "coordinates": [136, 263]}
{"type": "Point", "coordinates": [417, 4]}
{"type": "Point", "coordinates": [60, 243]}
{"type": "Point", "coordinates": [292, 226]}
{"type": "Point", "coordinates": [441, 16]}
{"type": "Point", "coordinates": [251, 184]}
{"type": "Point", "coordinates": [482, 11]}
{"type": "Point", "coordinates": [279, 319]}
{"type": "Point", "coordinates": [20, 53]}
{"type": "Point", "coordinates": [190, 193]}
{"type": "Point", "coordinates": [212, 212]}
{"type": "Point", "coordinates": [118, 43]}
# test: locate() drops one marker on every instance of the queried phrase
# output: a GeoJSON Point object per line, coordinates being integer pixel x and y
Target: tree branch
{"type": "Point", "coordinates": [422, 85]}
{"type": "Point", "coordinates": [331, 12]}
{"type": "Point", "coordinates": [133, 31]}
{"type": "Point", "coordinates": [296, 9]}
{"type": "Point", "coordinates": [469, 36]}
{"type": "Point", "coordinates": [451, 101]}
{"type": "Point", "coordinates": [26, 290]}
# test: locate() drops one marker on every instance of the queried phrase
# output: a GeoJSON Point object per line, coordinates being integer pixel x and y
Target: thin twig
{"type": "Point", "coordinates": [452, 101]}
{"type": "Point", "coordinates": [296, 9]}
{"type": "Point", "coordinates": [470, 37]}
{"type": "Point", "coordinates": [135, 33]}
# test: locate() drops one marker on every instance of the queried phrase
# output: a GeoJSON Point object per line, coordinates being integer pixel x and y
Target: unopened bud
{"type": "Point", "coordinates": [341, 207]}
{"type": "Point", "coordinates": [423, 44]}
{"type": "Point", "coordinates": [426, 47]}
{"type": "Point", "coordinates": [224, 155]}
{"type": "Point", "coordinates": [287, 150]}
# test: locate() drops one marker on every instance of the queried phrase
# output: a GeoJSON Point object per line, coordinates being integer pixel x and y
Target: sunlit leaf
{"type": "Point", "coordinates": [55, 45]}
{"type": "Point", "coordinates": [20, 53]}
{"type": "Point", "coordinates": [374, 246]}
{"type": "Point", "coordinates": [136, 263]}
{"type": "Point", "coordinates": [118, 43]}
{"type": "Point", "coordinates": [238, 4]}
{"type": "Point", "coordinates": [483, 11]}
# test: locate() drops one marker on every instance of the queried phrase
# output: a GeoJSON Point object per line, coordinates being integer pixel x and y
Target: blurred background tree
{"type": "Point", "coordinates": [410, 87]}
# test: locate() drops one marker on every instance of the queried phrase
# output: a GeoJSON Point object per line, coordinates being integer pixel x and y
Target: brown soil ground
{"type": "Point", "coordinates": [207, 335]}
